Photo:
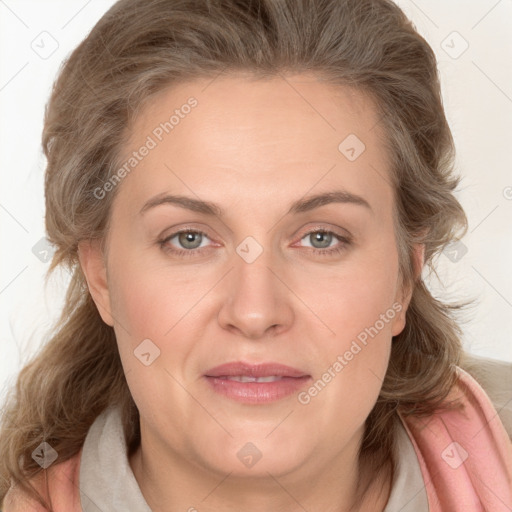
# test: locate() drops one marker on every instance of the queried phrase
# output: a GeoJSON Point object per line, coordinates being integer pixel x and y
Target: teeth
{"type": "Point", "coordinates": [246, 378]}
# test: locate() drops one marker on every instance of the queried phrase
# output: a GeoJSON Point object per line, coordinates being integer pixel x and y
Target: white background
{"type": "Point", "coordinates": [477, 91]}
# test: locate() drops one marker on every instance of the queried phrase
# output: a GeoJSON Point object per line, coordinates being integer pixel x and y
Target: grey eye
{"type": "Point", "coordinates": [320, 239]}
{"type": "Point", "coordinates": [189, 239]}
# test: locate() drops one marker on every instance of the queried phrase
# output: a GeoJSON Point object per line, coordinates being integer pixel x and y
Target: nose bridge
{"type": "Point", "coordinates": [255, 285]}
{"type": "Point", "coordinates": [256, 298]}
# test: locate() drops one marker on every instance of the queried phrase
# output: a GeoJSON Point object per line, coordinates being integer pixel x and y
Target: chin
{"type": "Point", "coordinates": [255, 458]}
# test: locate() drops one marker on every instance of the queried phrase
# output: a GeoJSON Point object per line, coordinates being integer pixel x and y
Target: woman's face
{"type": "Point", "coordinates": [252, 283]}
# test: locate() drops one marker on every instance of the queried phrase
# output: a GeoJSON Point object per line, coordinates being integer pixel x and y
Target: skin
{"type": "Point", "coordinates": [252, 147]}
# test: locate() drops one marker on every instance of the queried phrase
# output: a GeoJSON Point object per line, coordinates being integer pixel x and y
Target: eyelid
{"type": "Point", "coordinates": [173, 231]}
{"type": "Point", "coordinates": [189, 229]}
{"type": "Point", "coordinates": [344, 240]}
{"type": "Point", "coordinates": [341, 233]}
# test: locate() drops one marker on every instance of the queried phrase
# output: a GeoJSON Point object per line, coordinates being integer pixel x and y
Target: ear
{"type": "Point", "coordinates": [405, 293]}
{"type": "Point", "coordinates": [90, 256]}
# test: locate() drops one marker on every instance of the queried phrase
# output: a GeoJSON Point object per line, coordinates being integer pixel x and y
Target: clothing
{"type": "Point", "coordinates": [452, 461]}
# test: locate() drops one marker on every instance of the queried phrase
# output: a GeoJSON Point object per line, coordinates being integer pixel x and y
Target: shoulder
{"type": "Point", "coordinates": [59, 481]}
{"type": "Point", "coordinates": [495, 378]}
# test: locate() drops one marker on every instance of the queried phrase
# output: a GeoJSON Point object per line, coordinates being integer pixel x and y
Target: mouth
{"type": "Point", "coordinates": [248, 378]}
{"type": "Point", "coordinates": [256, 383]}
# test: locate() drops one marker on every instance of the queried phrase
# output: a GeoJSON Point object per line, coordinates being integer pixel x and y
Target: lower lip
{"type": "Point", "coordinates": [257, 392]}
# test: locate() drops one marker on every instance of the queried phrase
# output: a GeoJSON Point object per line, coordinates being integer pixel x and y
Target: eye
{"type": "Point", "coordinates": [321, 240]}
{"type": "Point", "coordinates": [189, 239]}
{"type": "Point", "coordinates": [189, 242]}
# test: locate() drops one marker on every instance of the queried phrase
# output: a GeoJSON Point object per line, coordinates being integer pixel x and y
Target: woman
{"type": "Point", "coordinates": [246, 194]}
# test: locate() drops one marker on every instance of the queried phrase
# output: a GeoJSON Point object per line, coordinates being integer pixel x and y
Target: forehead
{"type": "Point", "coordinates": [289, 133]}
{"type": "Point", "coordinates": [235, 104]}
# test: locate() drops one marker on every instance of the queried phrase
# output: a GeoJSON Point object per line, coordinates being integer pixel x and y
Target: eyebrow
{"type": "Point", "coordinates": [300, 206]}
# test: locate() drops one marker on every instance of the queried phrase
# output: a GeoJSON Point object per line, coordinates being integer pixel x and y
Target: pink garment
{"type": "Point", "coordinates": [61, 480]}
{"type": "Point", "coordinates": [465, 459]}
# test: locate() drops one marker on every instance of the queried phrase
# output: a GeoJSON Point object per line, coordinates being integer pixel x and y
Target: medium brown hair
{"type": "Point", "coordinates": [139, 48]}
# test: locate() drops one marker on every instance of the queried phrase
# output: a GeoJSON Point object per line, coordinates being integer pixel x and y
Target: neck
{"type": "Point", "coordinates": [186, 486]}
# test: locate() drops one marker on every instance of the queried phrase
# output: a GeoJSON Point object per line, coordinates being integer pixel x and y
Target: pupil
{"type": "Point", "coordinates": [326, 237]}
{"type": "Point", "coordinates": [188, 238]}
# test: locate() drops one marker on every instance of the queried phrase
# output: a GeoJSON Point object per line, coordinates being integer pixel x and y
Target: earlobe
{"type": "Point", "coordinates": [399, 321]}
{"type": "Point", "coordinates": [90, 256]}
{"type": "Point", "coordinates": [418, 262]}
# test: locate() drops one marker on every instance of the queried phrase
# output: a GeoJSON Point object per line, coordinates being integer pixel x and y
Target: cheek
{"type": "Point", "coordinates": [147, 306]}
{"type": "Point", "coordinates": [163, 305]}
{"type": "Point", "coordinates": [352, 296]}
{"type": "Point", "coordinates": [354, 364]}
{"type": "Point", "coordinates": [152, 299]}
{"type": "Point", "coordinates": [361, 311]}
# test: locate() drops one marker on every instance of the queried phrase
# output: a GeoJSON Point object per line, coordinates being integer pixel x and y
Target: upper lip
{"type": "Point", "coordinates": [254, 370]}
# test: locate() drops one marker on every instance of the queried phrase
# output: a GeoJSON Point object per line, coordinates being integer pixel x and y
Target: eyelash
{"type": "Point", "coordinates": [193, 252]}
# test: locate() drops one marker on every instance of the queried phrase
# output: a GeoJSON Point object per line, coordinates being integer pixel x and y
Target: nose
{"type": "Point", "coordinates": [256, 302]}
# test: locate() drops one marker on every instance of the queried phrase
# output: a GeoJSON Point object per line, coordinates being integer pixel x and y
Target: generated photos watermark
{"type": "Point", "coordinates": [152, 141]}
{"type": "Point", "coordinates": [357, 345]}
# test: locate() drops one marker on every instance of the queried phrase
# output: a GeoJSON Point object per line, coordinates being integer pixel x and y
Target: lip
{"type": "Point", "coordinates": [290, 381]}
{"type": "Point", "coordinates": [254, 370]}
